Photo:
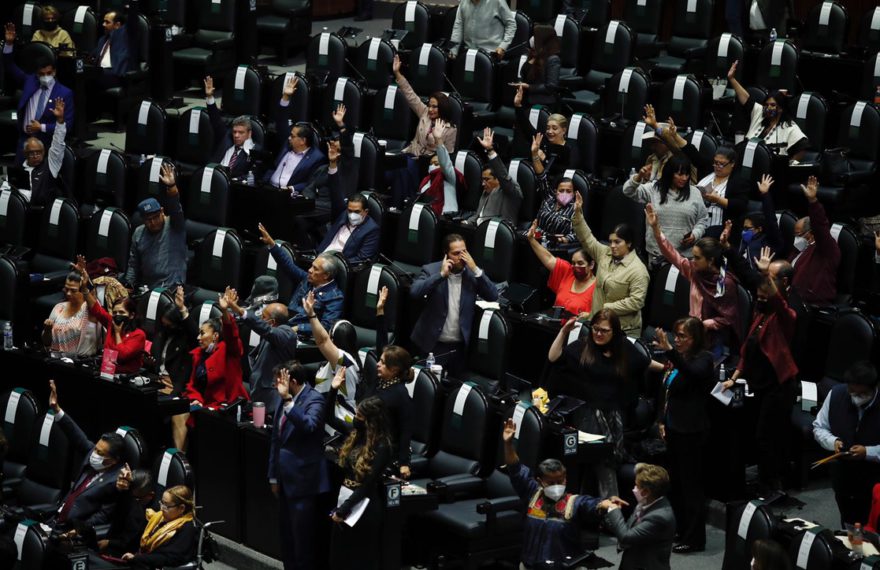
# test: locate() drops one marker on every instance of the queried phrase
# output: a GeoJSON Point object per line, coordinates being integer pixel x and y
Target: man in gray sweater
{"type": "Point", "coordinates": [502, 195]}
{"type": "Point", "coordinates": [483, 24]}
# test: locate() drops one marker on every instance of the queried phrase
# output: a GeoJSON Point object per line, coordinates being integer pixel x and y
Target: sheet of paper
{"type": "Point", "coordinates": [584, 437]}
{"type": "Point", "coordinates": [722, 395]}
{"type": "Point", "coordinates": [357, 511]}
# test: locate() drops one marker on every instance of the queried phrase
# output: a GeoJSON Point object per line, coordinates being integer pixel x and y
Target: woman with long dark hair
{"type": "Point", "coordinates": [769, 555]}
{"type": "Point", "coordinates": [679, 204]}
{"type": "Point", "coordinates": [598, 370]}
{"type": "Point", "coordinates": [354, 545]}
{"type": "Point", "coordinates": [684, 425]}
{"type": "Point", "coordinates": [539, 75]}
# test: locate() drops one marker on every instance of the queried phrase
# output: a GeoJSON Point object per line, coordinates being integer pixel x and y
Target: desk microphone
{"type": "Point", "coordinates": [390, 262]}
{"type": "Point", "coordinates": [451, 84]}
{"type": "Point", "coordinates": [436, 356]}
{"type": "Point", "coordinates": [356, 71]}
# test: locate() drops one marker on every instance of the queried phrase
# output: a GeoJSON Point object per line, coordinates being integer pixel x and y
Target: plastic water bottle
{"type": "Point", "coordinates": [142, 159]}
{"type": "Point", "coordinates": [429, 362]}
{"type": "Point", "coordinates": [632, 172]}
{"type": "Point", "coordinates": [722, 373]}
{"type": "Point", "coordinates": [7, 336]}
{"type": "Point", "coordinates": [250, 178]}
{"type": "Point", "coordinates": [773, 35]}
{"type": "Point", "coordinates": [857, 539]}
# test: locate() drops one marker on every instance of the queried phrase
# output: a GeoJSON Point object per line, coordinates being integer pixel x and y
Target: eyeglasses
{"type": "Point", "coordinates": [33, 153]}
{"type": "Point", "coordinates": [70, 290]}
{"type": "Point", "coordinates": [720, 164]}
{"type": "Point", "coordinates": [166, 507]}
{"type": "Point", "coordinates": [601, 332]}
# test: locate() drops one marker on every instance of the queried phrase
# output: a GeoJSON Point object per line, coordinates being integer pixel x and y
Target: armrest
{"type": "Point", "coordinates": [492, 507]}
{"type": "Point", "coordinates": [220, 43]}
{"type": "Point", "coordinates": [695, 52]}
{"type": "Point", "coordinates": [858, 177]}
{"type": "Point", "coordinates": [457, 487]}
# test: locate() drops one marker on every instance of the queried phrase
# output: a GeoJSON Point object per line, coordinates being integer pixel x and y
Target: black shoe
{"type": "Point", "coordinates": [687, 548]}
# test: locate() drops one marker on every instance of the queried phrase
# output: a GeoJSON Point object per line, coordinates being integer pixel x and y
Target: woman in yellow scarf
{"type": "Point", "coordinates": [170, 536]}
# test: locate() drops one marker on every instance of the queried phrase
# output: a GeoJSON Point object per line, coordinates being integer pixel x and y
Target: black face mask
{"type": "Point", "coordinates": [761, 306]}
{"type": "Point", "coordinates": [360, 425]}
{"type": "Point", "coordinates": [50, 26]}
{"type": "Point", "coordinates": [120, 319]}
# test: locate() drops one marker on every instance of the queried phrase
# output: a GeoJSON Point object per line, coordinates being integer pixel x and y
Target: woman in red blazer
{"type": "Point", "coordinates": [768, 366]}
{"type": "Point", "coordinates": [216, 377]}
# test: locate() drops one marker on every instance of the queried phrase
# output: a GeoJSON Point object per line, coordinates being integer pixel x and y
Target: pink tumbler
{"type": "Point", "coordinates": [259, 414]}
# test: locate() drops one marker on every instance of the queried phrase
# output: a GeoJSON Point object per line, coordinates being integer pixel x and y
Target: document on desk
{"type": "Point", "coordinates": [722, 395]}
{"type": "Point", "coordinates": [584, 437]}
{"type": "Point", "coordinates": [357, 511]}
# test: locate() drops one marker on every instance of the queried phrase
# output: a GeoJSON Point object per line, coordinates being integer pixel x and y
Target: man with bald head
{"type": "Point", "coordinates": [42, 172]}
{"type": "Point", "coordinates": [276, 345]}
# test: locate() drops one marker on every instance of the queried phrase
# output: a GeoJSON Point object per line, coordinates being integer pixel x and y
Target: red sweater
{"type": "Point", "coordinates": [775, 338]}
{"type": "Point", "coordinates": [815, 273]}
{"type": "Point", "coordinates": [130, 357]}
{"type": "Point", "coordinates": [224, 370]}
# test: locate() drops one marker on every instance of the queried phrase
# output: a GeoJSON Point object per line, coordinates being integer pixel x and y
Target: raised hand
{"type": "Point", "coordinates": [518, 98]}
{"type": "Point", "coordinates": [309, 303]}
{"type": "Point", "coordinates": [223, 299]}
{"type": "Point", "coordinates": [339, 114]}
{"type": "Point", "coordinates": [167, 176]}
{"type": "Point", "coordinates": [536, 144]}
{"type": "Point", "coordinates": [651, 217]}
{"type": "Point", "coordinates": [671, 129]}
{"type": "Point", "coordinates": [10, 33]}
{"type": "Point", "coordinates": [650, 117]}
{"type": "Point", "coordinates": [763, 262]}
{"type": "Point", "coordinates": [290, 87]}
{"type": "Point", "coordinates": [383, 296]}
{"type": "Point", "coordinates": [439, 129]}
{"type": "Point", "coordinates": [487, 140]}
{"type": "Point", "coordinates": [568, 325]}
{"type": "Point", "coordinates": [532, 229]}
{"type": "Point", "coordinates": [395, 65]}
{"type": "Point", "coordinates": [578, 203]}
{"type": "Point", "coordinates": [264, 236]}
{"type": "Point", "coordinates": [811, 189]}
{"type": "Point", "coordinates": [232, 299]}
{"type": "Point", "coordinates": [644, 173]}
{"type": "Point", "coordinates": [338, 378]}
{"type": "Point", "coordinates": [333, 152]}
{"type": "Point", "coordinates": [178, 298]}
{"type": "Point", "coordinates": [282, 385]}
{"type": "Point", "coordinates": [209, 87]}
{"type": "Point", "coordinates": [661, 339]}
{"type": "Point", "coordinates": [724, 238]}
{"type": "Point", "coordinates": [58, 110]}
{"type": "Point", "coordinates": [877, 240]}
{"type": "Point", "coordinates": [53, 397]}
{"type": "Point", "coordinates": [731, 73]}
{"type": "Point", "coordinates": [765, 184]}
{"type": "Point", "coordinates": [509, 430]}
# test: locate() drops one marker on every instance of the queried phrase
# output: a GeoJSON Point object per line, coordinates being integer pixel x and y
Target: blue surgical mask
{"type": "Point", "coordinates": [748, 235]}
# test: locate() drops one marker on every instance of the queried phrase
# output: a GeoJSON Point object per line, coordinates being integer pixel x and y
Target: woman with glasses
{"type": "Point", "coordinates": [70, 328]}
{"type": "Point", "coordinates": [170, 537]}
{"type": "Point", "coordinates": [725, 194]}
{"type": "Point", "coordinates": [688, 375]}
{"type": "Point", "coordinates": [598, 370]}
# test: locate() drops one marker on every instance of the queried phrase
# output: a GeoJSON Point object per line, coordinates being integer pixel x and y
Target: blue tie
{"type": "Point", "coordinates": [41, 105]}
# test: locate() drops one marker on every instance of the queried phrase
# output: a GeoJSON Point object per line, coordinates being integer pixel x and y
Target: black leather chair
{"type": "Point", "coordinates": [825, 30]}
{"type": "Point", "coordinates": [570, 36]}
{"type": "Point", "coordinates": [147, 184]}
{"type": "Point", "coordinates": [369, 176]}
{"type": "Point", "coordinates": [643, 16]}
{"type": "Point", "coordinates": [195, 140]}
{"type": "Point", "coordinates": [519, 46]}
{"type": "Point", "coordinates": [618, 209]}
{"type": "Point", "coordinates": [758, 525]}
{"type": "Point", "coordinates": [810, 112]}
{"type": "Point", "coordinates": [34, 545]}
{"type": "Point", "coordinates": [172, 468]}
{"type": "Point", "coordinates": [265, 264]}
{"type": "Point", "coordinates": [362, 306]}
{"type": "Point", "coordinates": [523, 173]}
{"type": "Point", "coordinates": [373, 62]}
{"type": "Point", "coordinates": [870, 77]}
{"type": "Point", "coordinates": [218, 264]}
{"type": "Point", "coordinates": [346, 91]}
{"type": "Point", "coordinates": [417, 233]}
{"type": "Point", "coordinates": [82, 25]}
{"type": "Point", "coordinates": [582, 138]}
{"type": "Point", "coordinates": [146, 130]}
{"type": "Point", "coordinates": [869, 31]}
{"type": "Point", "coordinates": [536, 122]}
{"type": "Point", "coordinates": [681, 99]}
{"type": "Point", "coordinates": [820, 555]}
{"type": "Point", "coordinates": [325, 58]}
{"type": "Point", "coordinates": [706, 145]}
{"type": "Point", "coordinates": [13, 287]}
{"type": "Point", "coordinates": [487, 351]}
{"type": "Point", "coordinates": [208, 309]}
{"type": "Point", "coordinates": [596, 13]}
{"type": "Point", "coordinates": [207, 201]}
{"type": "Point", "coordinates": [492, 248]}
{"type": "Point", "coordinates": [720, 55]}
{"type": "Point", "coordinates": [27, 18]}
{"type": "Point", "coordinates": [242, 92]}
{"type": "Point", "coordinates": [299, 107]}
{"type": "Point", "coordinates": [777, 66]}
{"type": "Point", "coordinates": [108, 234]}
{"type": "Point", "coordinates": [626, 93]}
{"type": "Point", "coordinates": [287, 25]}
{"type": "Point", "coordinates": [668, 299]}
{"type": "Point", "coordinates": [474, 74]}
{"type": "Point", "coordinates": [633, 151]}
{"type": "Point", "coordinates": [691, 31]}
{"type": "Point", "coordinates": [57, 241]}
{"type": "Point", "coordinates": [210, 50]}
{"type": "Point", "coordinates": [151, 307]}
{"type": "Point", "coordinates": [540, 11]}
{"type": "Point", "coordinates": [105, 181]}
{"type": "Point", "coordinates": [754, 160]}
{"type": "Point", "coordinates": [468, 163]}
{"type": "Point", "coordinates": [20, 411]}
{"type": "Point", "coordinates": [428, 404]}
{"type": "Point", "coordinates": [415, 18]}
{"type": "Point", "coordinates": [13, 218]}
{"type": "Point", "coordinates": [426, 69]}
{"type": "Point", "coordinates": [392, 119]}
{"type": "Point", "coordinates": [848, 242]}
{"type": "Point", "coordinates": [134, 448]}
{"type": "Point", "coordinates": [47, 474]}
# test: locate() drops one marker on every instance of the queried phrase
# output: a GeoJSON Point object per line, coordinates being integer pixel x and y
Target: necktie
{"type": "Point", "coordinates": [104, 51]}
{"type": "Point", "coordinates": [71, 498]}
{"type": "Point", "coordinates": [234, 158]}
{"type": "Point", "coordinates": [41, 104]}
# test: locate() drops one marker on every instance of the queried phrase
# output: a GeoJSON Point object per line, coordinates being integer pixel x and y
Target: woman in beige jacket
{"type": "Point", "coordinates": [621, 277]}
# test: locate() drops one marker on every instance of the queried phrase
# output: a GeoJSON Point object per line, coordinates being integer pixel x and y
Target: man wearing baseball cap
{"type": "Point", "coordinates": [158, 247]}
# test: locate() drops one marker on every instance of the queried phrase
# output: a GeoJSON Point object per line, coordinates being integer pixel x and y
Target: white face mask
{"type": "Point", "coordinates": [96, 461]}
{"type": "Point", "coordinates": [47, 81]}
{"type": "Point", "coordinates": [554, 492]}
{"type": "Point", "coordinates": [640, 497]}
{"type": "Point", "coordinates": [355, 219]}
{"type": "Point", "coordinates": [860, 400]}
{"type": "Point", "coordinates": [433, 167]}
{"type": "Point", "coordinates": [753, 564]}
{"type": "Point", "coordinates": [532, 42]}
{"type": "Point", "coordinates": [800, 243]}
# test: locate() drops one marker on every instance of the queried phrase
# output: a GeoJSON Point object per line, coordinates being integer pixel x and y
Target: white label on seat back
{"type": "Point", "coordinates": [697, 138]}
{"type": "Point", "coordinates": [574, 126]}
{"type": "Point", "coordinates": [373, 281]}
{"type": "Point", "coordinates": [518, 413]}
{"type": "Point", "coordinates": [121, 432]}
{"type": "Point", "coordinates": [27, 16]}
{"type": "Point", "coordinates": [143, 112]}
{"type": "Point", "coordinates": [12, 406]}
{"type": "Point", "coordinates": [485, 321]}
{"type": "Point", "coordinates": [569, 173]}
{"type": "Point", "coordinates": [240, 75]}
{"type": "Point", "coordinates": [491, 232]}
{"type": "Point", "coordinates": [254, 339]}
{"type": "Point", "coordinates": [835, 231]}
{"type": "Point", "coordinates": [207, 177]}
{"type": "Point", "coordinates": [163, 468]}
{"type": "Point", "coordinates": [46, 429]}
{"type": "Point", "coordinates": [749, 154]}
{"type": "Point", "coordinates": [866, 566]}
{"type": "Point", "coordinates": [671, 279]}
{"type": "Point", "coordinates": [194, 121]}
{"type": "Point", "coordinates": [205, 312]}
{"type": "Point", "coordinates": [461, 399]}
{"type": "Point", "coordinates": [723, 45]}
{"type": "Point", "coordinates": [409, 14]}
{"type": "Point", "coordinates": [80, 15]}
{"type": "Point", "coordinates": [104, 224]}
{"type": "Point", "coordinates": [415, 216]}
{"type": "Point", "coordinates": [460, 159]}
{"type": "Point", "coordinates": [153, 304]}
{"type": "Point", "coordinates": [776, 56]}
{"type": "Point", "coordinates": [390, 95]}
{"type": "Point", "coordinates": [271, 264]}
{"type": "Point", "coordinates": [875, 19]}
{"type": "Point", "coordinates": [424, 54]}
{"type": "Point", "coordinates": [612, 31]}
{"type": "Point", "coordinates": [324, 44]}
{"type": "Point", "coordinates": [623, 86]}
{"type": "Point", "coordinates": [470, 60]}
{"type": "Point", "coordinates": [641, 2]}
{"type": "Point", "coordinates": [339, 90]}
{"type": "Point", "coordinates": [856, 118]}
{"type": "Point", "coordinates": [522, 60]}
{"type": "Point", "coordinates": [803, 104]}
{"type": "Point", "coordinates": [219, 240]}
{"type": "Point", "coordinates": [559, 24]}
{"type": "Point", "coordinates": [373, 50]}
{"type": "Point", "coordinates": [575, 333]}
{"type": "Point", "coordinates": [534, 115]}
{"type": "Point", "coordinates": [746, 519]}
{"type": "Point", "coordinates": [678, 88]}
{"type": "Point", "coordinates": [803, 556]}
{"type": "Point", "coordinates": [513, 169]}
{"type": "Point", "coordinates": [102, 161]}
{"type": "Point", "coordinates": [4, 202]}
{"type": "Point", "coordinates": [155, 169]}
{"type": "Point", "coordinates": [56, 211]}
{"type": "Point", "coordinates": [877, 65]}
{"type": "Point", "coordinates": [692, 6]}
{"type": "Point", "coordinates": [637, 134]}
{"type": "Point", "coordinates": [20, 533]}
{"type": "Point", "coordinates": [825, 13]}
{"type": "Point", "coordinates": [357, 140]}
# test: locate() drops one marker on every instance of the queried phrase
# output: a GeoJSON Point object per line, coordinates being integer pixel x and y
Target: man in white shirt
{"type": "Point", "coordinates": [233, 147]}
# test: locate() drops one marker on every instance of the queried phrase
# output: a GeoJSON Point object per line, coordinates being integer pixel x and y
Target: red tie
{"type": "Point", "coordinates": [233, 158]}
{"type": "Point", "coordinates": [71, 498]}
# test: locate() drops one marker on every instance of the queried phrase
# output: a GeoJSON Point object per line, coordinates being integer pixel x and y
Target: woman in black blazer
{"type": "Point", "coordinates": [540, 73]}
{"type": "Point", "coordinates": [684, 424]}
{"type": "Point", "coordinates": [174, 339]}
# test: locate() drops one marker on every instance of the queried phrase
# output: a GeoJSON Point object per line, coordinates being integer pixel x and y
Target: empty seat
{"type": "Point", "coordinates": [720, 55]}
{"type": "Point", "coordinates": [210, 50]}
{"type": "Point", "coordinates": [474, 75]}
{"type": "Point", "coordinates": [427, 405]}
{"type": "Point", "coordinates": [82, 25]}
{"type": "Point", "coordinates": [643, 16]}
{"type": "Point", "coordinates": [207, 201]}
{"type": "Point", "coordinates": [582, 140]}
{"type": "Point", "coordinates": [826, 29]}
{"type": "Point", "coordinates": [417, 234]}
{"type": "Point", "coordinates": [146, 130]}
{"type": "Point", "coordinates": [108, 234]}
{"type": "Point", "coordinates": [195, 139]}
{"type": "Point", "coordinates": [362, 306]}
{"type": "Point", "coordinates": [426, 70]}
{"type": "Point", "coordinates": [691, 31]}
{"type": "Point", "coordinates": [57, 241]}
{"type": "Point", "coordinates": [218, 264]}
{"type": "Point", "coordinates": [492, 249]}
{"type": "Point", "coordinates": [242, 92]}
{"type": "Point", "coordinates": [105, 179]}
{"type": "Point", "coordinates": [777, 66]}
{"type": "Point", "coordinates": [468, 163]}
{"type": "Point", "coordinates": [626, 95]}
{"type": "Point", "coordinates": [373, 63]}
{"type": "Point", "coordinates": [680, 98]}
{"type": "Point", "coordinates": [392, 119]}
{"type": "Point", "coordinates": [325, 57]}
{"type": "Point", "coordinates": [287, 24]}
{"type": "Point", "coordinates": [47, 473]}
{"type": "Point", "coordinates": [413, 17]}
{"type": "Point", "coordinates": [13, 217]}
{"type": "Point", "coordinates": [569, 33]}
{"type": "Point", "coordinates": [170, 469]}
{"type": "Point", "coordinates": [487, 357]}
{"type": "Point", "coordinates": [869, 31]}
{"type": "Point", "coordinates": [20, 411]}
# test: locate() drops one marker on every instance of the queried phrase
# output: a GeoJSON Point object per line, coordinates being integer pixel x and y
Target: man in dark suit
{"type": "Point", "coordinates": [39, 92]}
{"type": "Point", "coordinates": [297, 469]}
{"type": "Point", "coordinates": [233, 147]}
{"type": "Point", "coordinates": [353, 231]}
{"type": "Point", "coordinates": [646, 536]}
{"type": "Point", "coordinates": [450, 287]}
{"type": "Point", "coordinates": [115, 51]}
{"type": "Point", "coordinates": [297, 168]}
{"type": "Point", "coordinates": [41, 180]}
{"type": "Point", "coordinates": [277, 345]}
{"type": "Point", "coordinates": [93, 496]}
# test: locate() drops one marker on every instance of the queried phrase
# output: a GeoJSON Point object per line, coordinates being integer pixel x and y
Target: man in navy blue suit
{"type": "Point", "coordinates": [115, 51]}
{"type": "Point", "coordinates": [39, 92]}
{"type": "Point", "coordinates": [93, 496]}
{"type": "Point", "coordinates": [295, 169]}
{"type": "Point", "coordinates": [233, 147]}
{"type": "Point", "coordinates": [450, 288]}
{"type": "Point", "coordinates": [352, 232]}
{"type": "Point", "coordinates": [297, 469]}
